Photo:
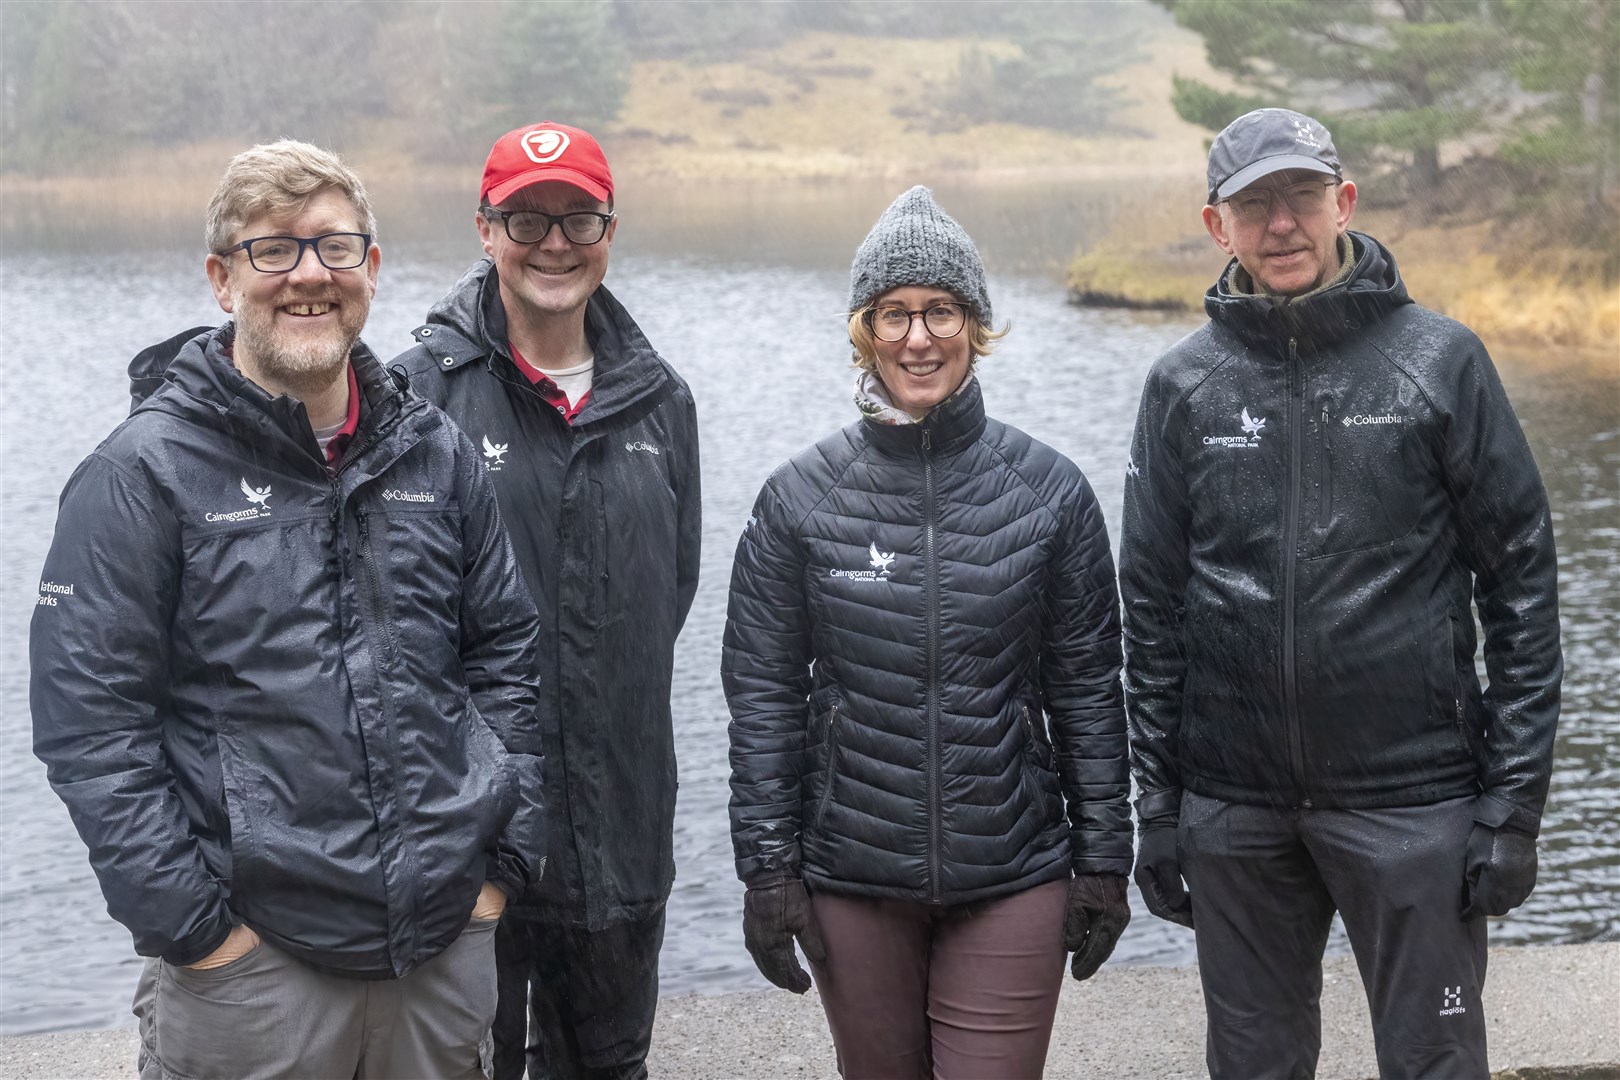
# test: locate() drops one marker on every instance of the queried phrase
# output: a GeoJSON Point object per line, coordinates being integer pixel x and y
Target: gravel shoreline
{"type": "Point", "coordinates": [1554, 1014]}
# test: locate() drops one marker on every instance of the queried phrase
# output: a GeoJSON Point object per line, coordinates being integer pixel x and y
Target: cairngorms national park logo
{"type": "Point", "coordinates": [1251, 427]}
{"type": "Point", "coordinates": [878, 562]}
{"type": "Point", "coordinates": [544, 147]}
{"type": "Point", "coordinates": [258, 505]}
{"type": "Point", "coordinates": [495, 454]}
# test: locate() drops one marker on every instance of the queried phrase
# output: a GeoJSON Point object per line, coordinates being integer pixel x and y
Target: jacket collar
{"type": "Point", "coordinates": [469, 324]}
{"type": "Point", "coordinates": [1372, 289]}
{"type": "Point", "coordinates": [951, 427]}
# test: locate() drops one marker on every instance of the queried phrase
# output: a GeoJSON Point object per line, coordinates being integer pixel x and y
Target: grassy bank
{"type": "Point", "coordinates": [1549, 301]}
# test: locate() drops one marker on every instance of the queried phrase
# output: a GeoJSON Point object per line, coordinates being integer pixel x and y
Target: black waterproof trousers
{"type": "Point", "coordinates": [591, 998]}
{"type": "Point", "coordinates": [1265, 883]}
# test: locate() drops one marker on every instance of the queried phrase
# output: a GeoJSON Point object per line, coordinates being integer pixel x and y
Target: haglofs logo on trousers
{"type": "Point", "coordinates": [1452, 1001]}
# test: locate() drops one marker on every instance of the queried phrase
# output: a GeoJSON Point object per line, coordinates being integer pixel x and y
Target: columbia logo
{"type": "Point", "coordinates": [646, 446]}
{"type": "Point", "coordinates": [1360, 419]}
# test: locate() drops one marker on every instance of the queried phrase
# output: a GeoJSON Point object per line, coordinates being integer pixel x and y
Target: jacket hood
{"type": "Point", "coordinates": [627, 366]}
{"type": "Point", "coordinates": [1371, 290]}
{"type": "Point", "coordinates": [196, 370]}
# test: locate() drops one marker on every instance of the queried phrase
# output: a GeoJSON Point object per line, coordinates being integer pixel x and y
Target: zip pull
{"type": "Point", "coordinates": [927, 441]}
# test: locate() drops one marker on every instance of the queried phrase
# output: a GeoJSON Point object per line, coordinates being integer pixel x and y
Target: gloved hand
{"type": "Point", "coordinates": [1158, 873]}
{"type": "Point", "coordinates": [773, 915]}
{"type": "Point", "coordinates": [1499, 870]}
{"type": "Point", "coordinates": [1098, 912]}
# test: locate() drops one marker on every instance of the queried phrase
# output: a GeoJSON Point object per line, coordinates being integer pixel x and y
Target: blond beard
{"type": "Point", "coordinates": [302, 369]}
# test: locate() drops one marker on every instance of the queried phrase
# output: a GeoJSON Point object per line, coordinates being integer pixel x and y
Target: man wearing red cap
{"type": "Point", "coordinates": [590, 438]}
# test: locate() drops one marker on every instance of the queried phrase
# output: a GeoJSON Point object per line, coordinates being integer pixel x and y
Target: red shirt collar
{"type": "Point", "coordinates": [351, 423]}
{"type": "Point", "coordinates": [548, 389]}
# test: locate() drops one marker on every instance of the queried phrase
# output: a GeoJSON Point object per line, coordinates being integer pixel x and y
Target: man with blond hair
{"type": "Point", "coordinates": [283, 671]}
{"type": "Point", "coordinates": [1326, 481]}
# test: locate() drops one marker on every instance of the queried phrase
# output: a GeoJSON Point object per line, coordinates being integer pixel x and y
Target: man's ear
{"type": "Point", "coordinates": [1345, 205]}
{"type": "Point", "coordinates": [486, 232]}
{"type": "Point", "coordinates": [373, 260]}
{"type": "Point", "coordinates": [1215, 225]}
{"type": "Point", "coordinates": [219, 279]}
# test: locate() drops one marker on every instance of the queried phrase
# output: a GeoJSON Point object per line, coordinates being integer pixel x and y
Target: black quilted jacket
{"type": "Point", "coordinates": [922, 662]}
{"type": "Point", "coordinates": [1320, 494]}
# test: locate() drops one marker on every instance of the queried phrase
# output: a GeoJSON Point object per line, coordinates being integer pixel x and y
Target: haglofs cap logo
{"type": "Point", "coordinates": [544, 147]}
{"type": "Point", "coordinates": [1304, 135]}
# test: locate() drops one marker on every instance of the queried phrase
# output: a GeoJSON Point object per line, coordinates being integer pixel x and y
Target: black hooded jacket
{"type": "Point", "coordinates": [922, 663]}
{"type": "Point", "coordinates": [605, 516]}
{"type": "Point", "coordinates": [273, 695]}
{"type": "Point", "coordinates": [1320, 492]}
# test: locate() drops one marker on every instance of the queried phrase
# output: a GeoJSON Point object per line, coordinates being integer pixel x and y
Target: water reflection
{"type": "Point", "coordinates": [694, 267]}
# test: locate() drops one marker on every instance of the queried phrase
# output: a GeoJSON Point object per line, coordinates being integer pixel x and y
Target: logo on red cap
{"type": "Point", "coordinates": [544, 147]}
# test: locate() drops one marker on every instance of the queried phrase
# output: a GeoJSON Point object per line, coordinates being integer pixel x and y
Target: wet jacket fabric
{"type": "Point", "coordinates": [922, 662]}
{"type": "Point", "coordinates": [1319, 492]}
{"type": "Point", "coordinates": [277, 696]}
{"type": "Point", "coordinates": [605, 516]}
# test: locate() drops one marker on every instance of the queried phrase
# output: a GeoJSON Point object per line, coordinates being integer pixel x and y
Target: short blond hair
{"type": "Point", "coordinates": [278, 178]}
{"type": "Point", "coordinates": [981, 339]}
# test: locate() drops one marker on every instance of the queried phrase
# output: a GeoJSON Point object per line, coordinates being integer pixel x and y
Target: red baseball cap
{"type": "Point", "coordinates": [545, 151]}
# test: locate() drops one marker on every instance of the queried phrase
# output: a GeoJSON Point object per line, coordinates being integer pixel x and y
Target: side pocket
{"type": "Point", "coordinates": [1459, 692]}
{"type": "Point", "coordinates": [1324, 495]}
{"type": "Point", "coordinates": [829, 770]}
{"type": "Point", "coordinates": [1043, 751]}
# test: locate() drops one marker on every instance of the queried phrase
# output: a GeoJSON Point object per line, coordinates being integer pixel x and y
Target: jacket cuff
{"type": "Point", "coordinates": [1498, 813]}
{"type": "Point", "coordinates": [199, 945]}
{"type": "Point", "coordinates": [1159, 808]}
{"type": "Point", "coordinates": [1093, 867]}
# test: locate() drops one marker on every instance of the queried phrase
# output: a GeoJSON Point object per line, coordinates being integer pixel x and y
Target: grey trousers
{"type": "Point", "coordinates": [1265, 883]}
{"type": "Point", "coordinates": [269, 1015]}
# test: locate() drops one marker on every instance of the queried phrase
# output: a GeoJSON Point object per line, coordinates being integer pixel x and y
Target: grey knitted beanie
{"type": "Point", "coordinates": [917, 243]}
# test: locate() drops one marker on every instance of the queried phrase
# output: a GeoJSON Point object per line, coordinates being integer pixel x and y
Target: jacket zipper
{"type": "Point", "coordinates": [374, 585]}
{"type": "Point", "coordinates": [1292, 734]}
{"type": "Point", "coordinates": [1324, 515]}
{"type": "Point", "coordinates": [931, 572]}
{"type": "Point", "coordinates": [827, 771]}
{"type": "Point", "coordinates": [1029, 726]}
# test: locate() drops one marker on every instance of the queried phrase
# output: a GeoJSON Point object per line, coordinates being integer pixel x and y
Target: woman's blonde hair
{"type": "Point", "coordinates": [981, 339]}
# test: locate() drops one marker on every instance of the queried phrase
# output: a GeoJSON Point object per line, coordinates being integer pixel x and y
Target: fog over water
{"type": "Point", "coordinates": [742, 293]}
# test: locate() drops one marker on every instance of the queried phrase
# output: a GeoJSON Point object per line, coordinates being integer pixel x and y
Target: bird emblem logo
{"type": "Point", "coordinates": [495, 452]}
{"type": "Point", "coordinates": [880, 560]}
{"type": "Point", "coordinates": [257, 496]}
{"type": "Point", "coordinates": [1251, 426]}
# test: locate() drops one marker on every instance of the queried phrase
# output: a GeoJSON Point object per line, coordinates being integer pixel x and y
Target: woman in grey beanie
{"type": "Point", "coordinates": [921, 660]}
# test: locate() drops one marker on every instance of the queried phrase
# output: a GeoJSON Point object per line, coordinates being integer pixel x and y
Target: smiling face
{"type": "Point", "coordinates": [294, 330]}
{"type": "Point", "coordinates": [919, 370]}
{"type": "Point", "coordinates": [553, 277]}
{"type": "Point", "coordinates": [1286, 254]}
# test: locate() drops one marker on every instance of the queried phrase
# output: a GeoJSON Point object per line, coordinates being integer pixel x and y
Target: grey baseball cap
{"type": "Point", "coordinates": [1265, 141]}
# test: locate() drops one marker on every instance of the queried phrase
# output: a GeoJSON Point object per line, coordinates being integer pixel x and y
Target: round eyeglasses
{"type": "Point", "coordinates": [282, 254]}
{"type": "Point", "coordinates": [892, 323]}
{"type": "Point", "coordinates": [582, 227]}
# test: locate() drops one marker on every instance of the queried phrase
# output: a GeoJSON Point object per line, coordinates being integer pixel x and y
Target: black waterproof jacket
{"type": "Point", "coordinates": [275, 696]}
{"type": "Point", "coordinates": [1319, 492]}
{"type": "Point", "coordinates": [605, 517]}
{"type": "Point", "coordinates": [922, 661]}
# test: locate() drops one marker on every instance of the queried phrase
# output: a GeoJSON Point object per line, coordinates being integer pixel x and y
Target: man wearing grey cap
{"type": "Point", "coordinates": [1326, 482]}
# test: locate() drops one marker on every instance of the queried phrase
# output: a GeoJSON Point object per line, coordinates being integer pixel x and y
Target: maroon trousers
{"type": "Point", "coordinates": [918, 991]}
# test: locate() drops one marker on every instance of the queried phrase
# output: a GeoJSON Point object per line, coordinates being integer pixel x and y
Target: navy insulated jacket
{"type": "Point", "coordinates": [276, 696]}
{"type": "Point", "coordinates": [605, 516]}
{"type": "Point", "coordinates": [922, 662]}
{"type": "Point", "coordinates": [1320, 495]}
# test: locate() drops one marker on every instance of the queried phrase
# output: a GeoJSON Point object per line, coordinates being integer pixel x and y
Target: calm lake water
{"type": "Point", "coordinates": [743, 294]}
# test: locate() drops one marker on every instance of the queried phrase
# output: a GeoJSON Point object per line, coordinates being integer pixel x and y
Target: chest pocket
{"type": "Point", "coordinates": [1364, 482]}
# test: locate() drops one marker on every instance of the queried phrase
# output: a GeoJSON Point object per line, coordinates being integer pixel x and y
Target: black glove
{"type": "Point", "coordinates": [1498, 872]}
{"type": "Point", "coordinates": [1158, 873]}
{"type": "Point", "coordinates": [1097, 914]}
{"type": "Point", "coordinates": [773, 915]}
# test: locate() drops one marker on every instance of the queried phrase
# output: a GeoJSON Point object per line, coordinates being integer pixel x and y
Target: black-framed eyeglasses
{"type": "Point", "coordinates": [582, 227]}
{"type": "Point", "coordinates": [282, 254]}
{"type": "Point", "coordinates": [893, 323]}
{"type": "Point", "coordinates": [1305, 199]}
